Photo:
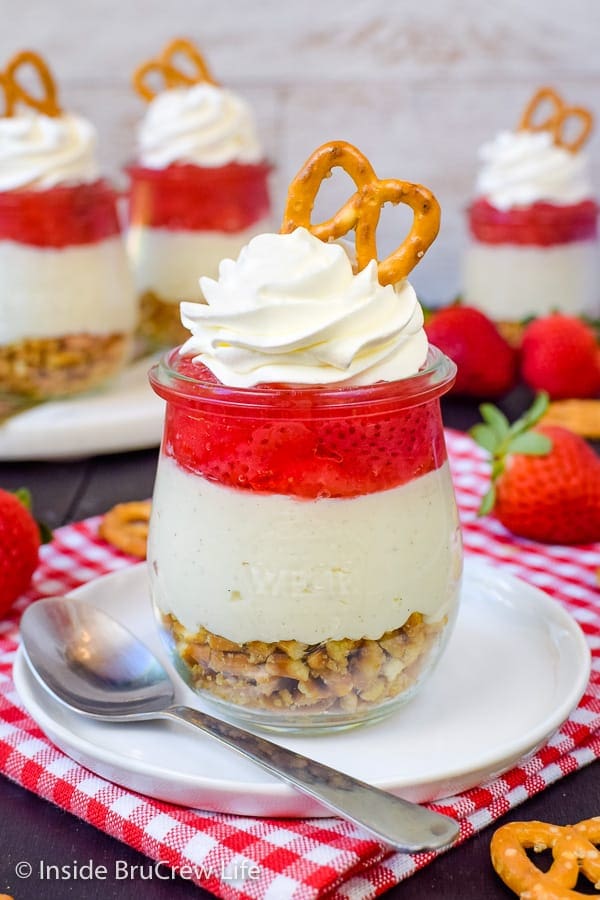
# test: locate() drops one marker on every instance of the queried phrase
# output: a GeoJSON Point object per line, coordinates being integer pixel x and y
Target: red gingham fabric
{"type": "Point", "coordinates": [310, 858]}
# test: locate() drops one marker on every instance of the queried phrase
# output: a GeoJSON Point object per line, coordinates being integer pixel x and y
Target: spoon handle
{"type": "Point", "coordinates": [406, 826]}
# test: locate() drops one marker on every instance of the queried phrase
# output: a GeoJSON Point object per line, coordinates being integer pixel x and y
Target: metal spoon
{"type": "Point", "coordinates": [95, 666]}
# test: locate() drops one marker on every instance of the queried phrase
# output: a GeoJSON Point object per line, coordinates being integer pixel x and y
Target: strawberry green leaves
{"type": "Point", "coordinates": [501, 439]}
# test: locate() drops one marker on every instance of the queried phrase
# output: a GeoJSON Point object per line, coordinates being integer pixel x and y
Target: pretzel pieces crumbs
{"type": "Point", "coordinates": [574, 854]}
{"type": "Point", "coordinates": [125, 526]}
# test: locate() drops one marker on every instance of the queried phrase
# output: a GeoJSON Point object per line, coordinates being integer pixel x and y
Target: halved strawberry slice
{"type": "Point", "coordinates": [305, 450]}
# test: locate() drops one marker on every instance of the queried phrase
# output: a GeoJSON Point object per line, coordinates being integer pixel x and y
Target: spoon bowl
{"type": "Point", "coordinates": [95, 666]}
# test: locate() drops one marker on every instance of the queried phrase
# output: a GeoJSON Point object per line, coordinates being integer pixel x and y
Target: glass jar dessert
{"type": "Point", "coordinates": [533, 235]}
{"type": "Point", "coordinates": [67, 305]}
{"type": "Point", "coordinates": [304, 552]}
{"type": "Point", "coordinates": [198, 191]}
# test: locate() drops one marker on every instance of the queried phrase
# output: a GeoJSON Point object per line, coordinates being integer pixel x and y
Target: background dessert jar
{"type": "Point", "coordinates": [304, 552]}
{"type": "Point", "coordinates": [533, 236]}
{"type": "Point", "coordinates": [67, 303]}
{"type": "Point", "coordinates": [198, 189]}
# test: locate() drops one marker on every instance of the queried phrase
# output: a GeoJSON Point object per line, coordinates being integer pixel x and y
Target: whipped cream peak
{"type": "Point", "coordinates": [39, 151]}
{"type": "Point", "coordinates": [291, 310]}
{"type": "Point", "coordinates": [524, 167]}
{"type": "Point", "coordinates": [204, 124]}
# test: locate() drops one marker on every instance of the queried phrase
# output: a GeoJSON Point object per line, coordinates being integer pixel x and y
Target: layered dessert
{"type": "Point", "coordinates": [198, 188]}
{"type": "Point", "coordinates": [67, 303]}
{"type": "Point", "coordinates": [304, 549]}
{"type": "Point", "coordinates": [533, 239]}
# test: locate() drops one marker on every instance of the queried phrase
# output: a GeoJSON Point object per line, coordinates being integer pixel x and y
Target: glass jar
{"type": "Point", "coordinates": [183, 220]}
{"type": "Point", "coordinates": [304, 553]}
{"type": "Point", "coordinates": [529, 261]}
{"type": "Point", "coordinates": [67, 304]}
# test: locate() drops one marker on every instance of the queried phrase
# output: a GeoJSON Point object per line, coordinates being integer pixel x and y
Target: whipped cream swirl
{"type": "Point", "coordinates": [204, 124]}
{"type": "Point", "coordinates": [40, 152]}
{"type": "Point", "coordinates": [524, 167]}
{"type": "Point", "coordinates": [291, 310]}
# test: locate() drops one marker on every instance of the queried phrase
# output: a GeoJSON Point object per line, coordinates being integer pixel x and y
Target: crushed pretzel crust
{"type": "Point", "coordinates": [42, 368]}
{"type": "Point", "coordinates": [159, 322]}
{"type": "Point", "coordinates": [341, 676]}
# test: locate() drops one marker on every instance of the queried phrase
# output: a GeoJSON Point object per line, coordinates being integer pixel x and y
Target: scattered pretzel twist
{"type": "Point", "coordinates": [15, 93]}
{"type": "Point", "coordinates": [165, 66]}
{"type": "Point", "coordinates": [362, 211]}
{"type": "Point", "coordinates": [573, 850]}
{"type": "Point", "coordinates": [557, 119]}
{"type": "Point", "coordinates": [125, 526]}
{"type": "Point", "coordinates": [578, 415]}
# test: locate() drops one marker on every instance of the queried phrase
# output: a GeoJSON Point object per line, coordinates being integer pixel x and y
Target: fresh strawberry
{"type": "Point", "coordinates": [545, 480]}
{"type": "Point", "coordinates": [19, 545]}
{"type": "Point", "coordinates": [487, 364]}
{"type": "Point", "coordinates": [560, 355]}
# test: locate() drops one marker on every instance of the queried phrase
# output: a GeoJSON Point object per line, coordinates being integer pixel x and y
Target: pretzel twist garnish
{"type": "Point", "coordinates": [573, 850]}
{"type": "Point", "coordinates": [362, 211]}
{"type": "Point", "coordinates": [15, 93]}
{"type": "Point", "coordinates": [125, 526]}
{"type": "Point", "coordinates": [557, 119]}
{"type": "Point", "coordinates": [173, 76]}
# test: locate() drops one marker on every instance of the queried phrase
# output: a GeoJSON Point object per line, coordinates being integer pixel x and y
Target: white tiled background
{"type": "Point", "coordinates": [416, 85]}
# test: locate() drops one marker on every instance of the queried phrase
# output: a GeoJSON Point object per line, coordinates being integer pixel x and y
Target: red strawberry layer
{"type": "Point", "coordinates": [227, 198]}
{"type": "Point", "coordinates": [60, 216]}
{"type": "Point", "coordinates": [540, 224]}
{"type": "Point", "coordinates": [343, 453]}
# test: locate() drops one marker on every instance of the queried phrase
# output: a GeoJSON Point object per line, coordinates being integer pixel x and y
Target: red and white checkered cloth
{"type": "Point", "coordinates": [308, 858]}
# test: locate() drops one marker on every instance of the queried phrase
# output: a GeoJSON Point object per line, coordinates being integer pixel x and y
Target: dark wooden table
{"type": "Point", "coordinates": [34, 830]}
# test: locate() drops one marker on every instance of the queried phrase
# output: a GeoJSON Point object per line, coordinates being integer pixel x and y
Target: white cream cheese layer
{"type": "Point", "coordinates": [49, 292]}
{"type": "Point", "coordinates": [513, 282]}
{"type": "Point", "coordinates": [268, 567]}
{"type": "Point", "coordinates": [169, 263]}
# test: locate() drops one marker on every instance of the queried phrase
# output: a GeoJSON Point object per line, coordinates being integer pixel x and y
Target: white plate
{"type": "Point", "coordinates": [515, 667]}
{"type": "Point", "coordinates": [126, 415]}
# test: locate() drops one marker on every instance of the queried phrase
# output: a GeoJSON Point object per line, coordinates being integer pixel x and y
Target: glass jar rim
{"type": "Point", "coordinates": [434, 378]}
